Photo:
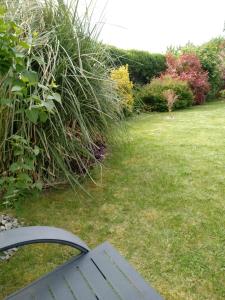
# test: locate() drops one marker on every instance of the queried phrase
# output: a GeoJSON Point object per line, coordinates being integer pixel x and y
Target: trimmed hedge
{"type": "Point", "coordinates": [143, 66]}
{"type": "Point", "coordinates": [154, 100]}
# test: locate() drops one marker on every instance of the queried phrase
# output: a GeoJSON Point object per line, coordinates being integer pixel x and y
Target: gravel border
{"type": "Point", "coordinates": [6, 223]}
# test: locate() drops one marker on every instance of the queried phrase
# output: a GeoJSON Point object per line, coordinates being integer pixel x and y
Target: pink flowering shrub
{"type": "Point", "coordinates": [187, 67]}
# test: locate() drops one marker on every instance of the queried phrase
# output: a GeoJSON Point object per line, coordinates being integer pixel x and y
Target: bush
{"type": "Point", "coordinates": [211, 56]}
{"type": "Point", "coordinates": [143, 66]}
{"type": "Point", "coordinates": [153, 94]}
{"type": "Point", "coordinates": [124, 87]}
{"type": "Point", "coordinates": [187, 67]}
{"type": "Point", "coordinates": [56, 98]}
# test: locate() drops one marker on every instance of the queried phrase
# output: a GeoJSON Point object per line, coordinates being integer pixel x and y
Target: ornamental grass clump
{"type": "Point", "coordinates": [59, 99]}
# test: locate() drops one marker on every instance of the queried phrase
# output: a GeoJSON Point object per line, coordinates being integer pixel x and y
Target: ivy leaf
{"type": "Point", "coordinates": [32, 115]}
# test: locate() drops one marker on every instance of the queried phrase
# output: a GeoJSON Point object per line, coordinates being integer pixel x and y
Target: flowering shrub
{"type": "Point", "coordinates": [187, 67]}
{"type": "Point", "coordinates": [212, 58]}
{"type": "Point", "coordinates": [154, 97]}
{"type": "Point", "coordinates": [124, 87]}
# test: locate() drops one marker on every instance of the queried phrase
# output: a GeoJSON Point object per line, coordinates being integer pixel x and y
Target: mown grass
{"type": "Point", "coordinates": [160, 201]}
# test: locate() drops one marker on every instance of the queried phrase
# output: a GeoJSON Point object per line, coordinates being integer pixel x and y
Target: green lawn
{"type": "Point", "coordinates": [160, 201]}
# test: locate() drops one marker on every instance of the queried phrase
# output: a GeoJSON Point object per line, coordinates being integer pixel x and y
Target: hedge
{"type": "Point", "coordinates": [143, 66]}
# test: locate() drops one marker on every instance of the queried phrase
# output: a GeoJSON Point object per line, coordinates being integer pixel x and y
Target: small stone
{"type": "Point", "coordinates": [8, 226]}
{"type": "Point", "coordinates": [4, 221]}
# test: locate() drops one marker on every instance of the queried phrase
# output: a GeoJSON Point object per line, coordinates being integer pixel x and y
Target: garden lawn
{"type": "Point", "coordinates": [160, 201]}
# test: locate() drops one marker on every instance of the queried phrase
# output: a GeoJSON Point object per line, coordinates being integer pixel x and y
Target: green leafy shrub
{"type": "Point", "coordinates": [153, 94]}
{"type": "Point", "coordinates": [143, 66]}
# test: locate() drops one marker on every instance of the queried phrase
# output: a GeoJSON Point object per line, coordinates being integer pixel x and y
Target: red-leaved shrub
{"type": "Point", "coordinates": [187, 67]}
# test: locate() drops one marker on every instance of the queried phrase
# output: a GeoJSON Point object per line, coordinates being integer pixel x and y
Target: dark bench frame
{"type": "Point", "coordinates": [108, 279]}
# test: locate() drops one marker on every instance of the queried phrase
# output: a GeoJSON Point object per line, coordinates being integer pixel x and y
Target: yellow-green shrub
{"type": "Point", "coordinates": [124, 87]}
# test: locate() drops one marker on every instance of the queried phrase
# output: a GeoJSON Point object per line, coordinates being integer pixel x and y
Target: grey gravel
{"type": "Point", "coordinates": [6, 223]}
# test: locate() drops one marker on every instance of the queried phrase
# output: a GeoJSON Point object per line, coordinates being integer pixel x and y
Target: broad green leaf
{"type": "Point", "coordinates": [50, 97]}
{"type": "Point", "coordinates": [19, 54]}
{"type": "Point", "coordinates": [37, 99]}
{"type": "Point", "coordinates": [32, 115]}
{"type": "Point", "coordinates": [24, 44]}
{"type": "Point", "coordinates": [30, 77]}
{"type": "Point", "coordinates": [57, 97]}
{"type": "Point", "coordinates": [43, 116]}
{"type": "Point", "coordinates": [49, 105]}
{"type": "Point", "coordinates": [43, 87]}
{"type": "Point", "coordinates": [16, 88]}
